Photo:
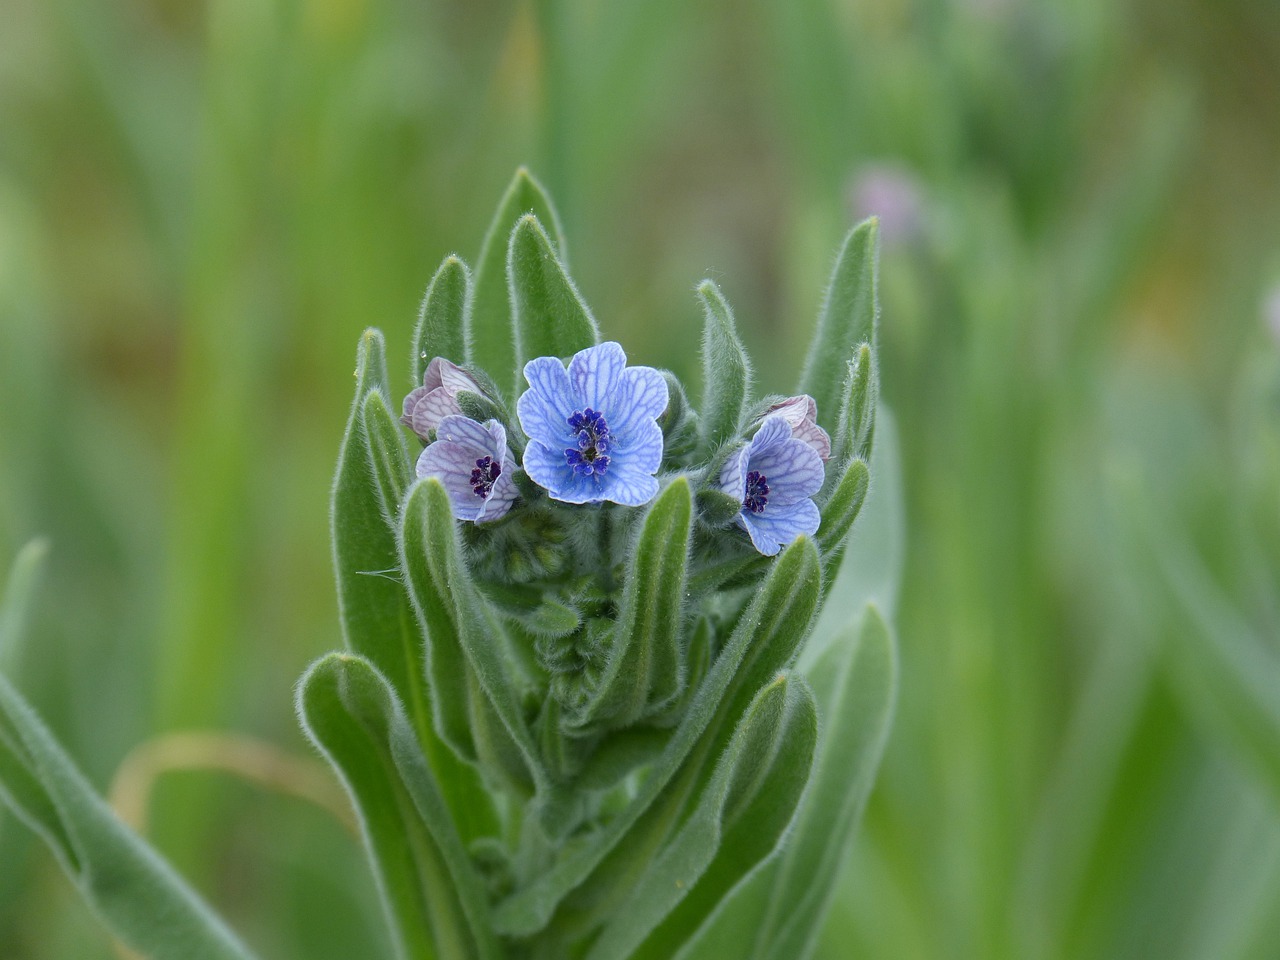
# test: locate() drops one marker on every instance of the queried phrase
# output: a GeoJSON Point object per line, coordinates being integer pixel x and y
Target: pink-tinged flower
{"type": "Point", "coordinates": [474, 463]}
{"type": "Point", "coordinates": [775, 476]}
{"type": "Point", "coordinates": [801, 415]}
{"type": "Point", "coordinates": [437, 398]}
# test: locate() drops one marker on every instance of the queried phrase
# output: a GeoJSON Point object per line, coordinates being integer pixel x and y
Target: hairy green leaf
{"type": "Point", "coordinates": [738, 822]}
{"type": "Point", "coordinates": [842, 509]}
{"type": "Point", "coordinates": [549, 316]}
{"type": "Point", "coordinates": [388, 459]}
{"type": "Point", "coordinates": [849, 315]}
{"type": "Point", "coordinates": [490, 336]}
{"type": "Point", "coordinates": [858, 407]}
{"type": "Point", "coordinates": [443, 321]}
{"type": "Point", "coordinates": [726, 370]}
{"type": "Point", "coordinates": [645, 669]}
{"type": "Point", "coordinates": [433, 898]}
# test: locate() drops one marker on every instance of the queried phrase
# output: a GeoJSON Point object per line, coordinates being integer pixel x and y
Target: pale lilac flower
{"type": "Point", "coordinates": [801, 414]}
{"type": "Point", "coordinates": [437, 398]}
{"type": "Point", "coordinates": [474, 463]}
{"type": "Point", "coordinates": [592, 429]}
{"type": "Point", "coordinates": [774, 476]}
{"type": "Point", "coordinates": [892, 193]}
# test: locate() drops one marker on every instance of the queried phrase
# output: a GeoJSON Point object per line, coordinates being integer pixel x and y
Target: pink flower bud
{"type": "Point", "coordinates": [437, 398]}
{"type": "Point", "coordinates": [801, 415]}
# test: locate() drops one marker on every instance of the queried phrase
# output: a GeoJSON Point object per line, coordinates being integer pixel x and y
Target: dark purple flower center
{"type": "Point", "coordinates": [590, 457]}
{"type": "Point", "coordinates": [757, 492]}
{"type": "Point", "coordinates": [484, 476]}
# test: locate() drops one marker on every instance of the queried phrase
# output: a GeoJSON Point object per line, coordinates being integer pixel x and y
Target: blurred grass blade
{"type": "Point", "coordinates": [738, 822]}
{"type": "Point", "coordinates": [443, 321]}
{"type": "Point", "coordinates": [764, 641]}
{"type": "Point", "coordinates": [848, 317]}
{"type": "Point", "coordinates": [645, 669]}
{"type": "Point", "coordinates": [489, 336]}
{"type": "Point", "coordinates": [433, 898]}
{"type": "Point", "coordinates": [726, 371]}
{"type": "Point", "coordinates": [15, 614]}
{"type": "Point", "coordinates": [549, 316]}
{"type": "Point", "coordinates": [477, 706]}
{"type": "Point", "coordinates": [128, 885]}
{"type": "Point", "coordinates": [388, 460]}
{"type": "Point", "coordinates": [777, 912]}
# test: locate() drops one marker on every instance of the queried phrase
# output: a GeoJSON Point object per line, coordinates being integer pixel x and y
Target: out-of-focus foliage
{"type": "Point", "coordinates": [199, 202]}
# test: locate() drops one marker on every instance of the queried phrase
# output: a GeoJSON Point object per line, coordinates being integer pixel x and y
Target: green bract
{"type": "Point", "coordinates": [578, 729]}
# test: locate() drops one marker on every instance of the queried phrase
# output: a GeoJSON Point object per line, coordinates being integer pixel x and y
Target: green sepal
{"type": "Point", "coordinates": [388, 459]}
{"type": "Point", "coordinates": [716, 508]}
{"type": "Point", "coordinates": [763, 642]}
{"type": "Point", "coordinates": [549, 316]}
{"type": "Point", "coordinates": [433, 897]}
{"type": "Point", "coordinates": [443, 321]}
{"type": "Point", "coordinates": [645, 667]}
{"type": "Point", "coordinates": [726, 371]}
{"type": "Point", "coordinates": [849, 316]}
{"type": "Point", "coordinates": [490, 337]}
{"type": "Point", "coordinates": [738, 821]}
{"type": "Point", "coordinates": [477, 708]}
{"type": "Point", "coordinates": [774, 915]}
{"type": "Point", "coordinates": [129, 886]}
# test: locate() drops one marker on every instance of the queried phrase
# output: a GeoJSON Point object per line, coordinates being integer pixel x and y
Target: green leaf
{"type": "Point", "coordinates": [849, 315]}
{"type": "Point", "coordinates": [377, 619]}
{"type": "Point", "coordinates": [717, 508]}
{"type": "Point", "coordinates": [388, 459]}
{"type": "Point", "coordinates": [549, 316]}
{"type": "Point", "coordinates": [127, 884]}
{"type": "Point", "coordinates": [842, 509]}
{"type": "Point", "coordinates": [645, 669]}
{"type": "Point", "coordinates": [477, 709]}
{"type": "Point", "coordinates": [443, 321]}
{"type": "Point", "coordinates": [726, 371]}
{"type": "Point", "coordinates": [738, 822]}
{"type": "Point", "coordinates": [777, 913]}
{"type": "Point", "coordinates": [434, 900]}
{"type": "Point", "coordinates": [858, 409]}
{"type": "Point", "coordinates": [763, 642]}
{"type": "Point", "coordinates": [24, 576]}
{"type": "Point", "coordinates": [490, 335]}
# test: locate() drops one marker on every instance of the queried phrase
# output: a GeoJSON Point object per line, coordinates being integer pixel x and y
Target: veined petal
{"type": "Point", "coordinates": [640, 395]}
{"type": "Point", "coordinates": [594, 373]}
{"type": "Point", "coordinates": [475, 437]}
{"type": "Point", "coordinates": [629, 485]}
{"type": "Point", "coordinates": [544, 409]}
{"type": "Point", "coordinates": [451, 463]}
{"type": "Point", "coordinates": [733, 475]}
{"type": "Point", "coordinates": [793, 468]}
{"type": "Point", "coordinates": [429, 408]}
{"type": "Point", "coordinates": [775, 528]}
{"type": "Point", "coordinates": [641, 447]}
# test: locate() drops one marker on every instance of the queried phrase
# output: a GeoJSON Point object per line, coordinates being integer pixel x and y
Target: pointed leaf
{"type": "Point", "coordinates": [848, 317]}
{"type": "Point", "coordinates": [478, 710]}
{"type": "Point", "coordinates": [646, 667]}
{"type": "Point", "coordinates": [443, 321]}
{"type": "Point", "coordinates": [549, 316]}
{"type": "Point", "coordinates": [777, 913]}
{"type": "Point", "coordinates": [842, 509]}
{"type": "Point", "coordinates": [434, 900]}
{"type": "Point", "coordinates": [490, 336]}
{"type": "Point", "coordinates": [388, 460]}
{"type": "Point", "coordinates": [726, 371]}
{"type": "Point", "coordinates": [764, 641]}
{"type": "Point", "coordinates": [738, 822]}
{"type": "Point", "coordinates": [858, 407]}
{"type": "Point", "coordinates": [24, 576]}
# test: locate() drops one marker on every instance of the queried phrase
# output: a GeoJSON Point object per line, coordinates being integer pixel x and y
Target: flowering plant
{"type": "Point", "coordinates": [570, 714]}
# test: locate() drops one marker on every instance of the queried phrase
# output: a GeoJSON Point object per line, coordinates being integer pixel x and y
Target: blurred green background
{"type": "Point", "coordinates": [202, 205]}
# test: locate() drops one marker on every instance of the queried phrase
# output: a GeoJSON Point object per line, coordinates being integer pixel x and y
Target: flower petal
{"type": "Point", "coordinates": [451, 463]}
{"type": "Point", "coordinates": [594, 373]}
{"type": "Point", "coordinates": [628, 484]}
{"type": "Point", "coordinates": [792, 468]}
{"type": "Point", "coordinates": [772, 530]}
{"type": "Point", "coordinates": [544, 408]}
{"type": "Point", "coordinates": [430, 407]}
{"type": "Point", "coordinates": [640, 396]}
{"type": "Point", "coordinates": [733, 475]}
{"type": "Point", "coordinates": [473, 436]}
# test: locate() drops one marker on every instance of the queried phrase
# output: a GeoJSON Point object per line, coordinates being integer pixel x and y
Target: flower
{"type": "Point", "coordinates": [437, 398]}
{"type": "Point", "coordinates": [474, 463]}
{"type": "Point", "coordinates": [774, 475]}
{"type": "Point", "coordinates": [592, 429]}
{"type": "Point", "coordinates": [801, 414]}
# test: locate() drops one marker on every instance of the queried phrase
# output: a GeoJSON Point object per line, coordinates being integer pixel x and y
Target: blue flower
{"type": "Point", "coordinates": [592, 429]}
{"type": "Point", "coordinates": [774, 475]}
{"type": "Point", "coordinates": [474, 463]}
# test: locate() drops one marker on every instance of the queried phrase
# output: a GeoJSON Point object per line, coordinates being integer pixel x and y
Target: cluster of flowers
{"type": "Point", "coordinates": [593, 436]}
